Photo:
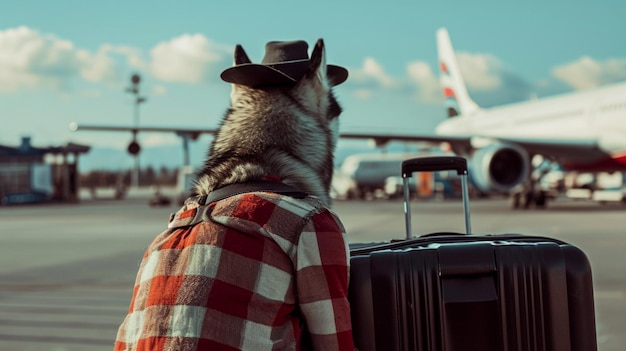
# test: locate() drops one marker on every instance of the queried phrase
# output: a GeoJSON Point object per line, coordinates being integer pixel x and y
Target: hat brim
{"type": "Point", "coordinates": [256, 75]}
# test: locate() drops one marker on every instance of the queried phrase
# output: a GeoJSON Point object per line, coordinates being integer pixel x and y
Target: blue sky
{"type": "Point", "coordinates": [66, 61]}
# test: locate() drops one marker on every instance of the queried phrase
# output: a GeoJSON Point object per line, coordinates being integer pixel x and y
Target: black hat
{"type": "Point", "coordinates": [285, 62]}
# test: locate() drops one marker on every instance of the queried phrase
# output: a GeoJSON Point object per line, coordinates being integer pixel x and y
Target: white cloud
{"type": "Point", "coordinates": [428, 86]}
{"type": "Point", "coordinates": [99, 67]}
{"type": "Point", "coordinates": [372, 71]}
{"type": "Point", "coordinates": [586, 73]}
{"type": "Point", "coordinates": [132, 55]}
{"type": "Point", "coordinates": [480, 71]}
{"type": "Point", "coordinates": [187, 58]}
{"type": "Point", "coordinates": [488, 80]}
{"type": "Point", "coordinates": [29, 59]}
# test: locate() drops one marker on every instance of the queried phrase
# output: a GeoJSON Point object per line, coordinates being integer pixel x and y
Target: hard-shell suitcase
{"type": "Point", "coordinates": [452, 292]}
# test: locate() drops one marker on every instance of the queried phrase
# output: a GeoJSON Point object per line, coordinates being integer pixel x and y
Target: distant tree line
{"type": "Point", "coordinates": [148, 176]}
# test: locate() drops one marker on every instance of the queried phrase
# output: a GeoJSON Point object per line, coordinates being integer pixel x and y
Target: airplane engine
{"type": "Point", "coordinates": [499, 167]}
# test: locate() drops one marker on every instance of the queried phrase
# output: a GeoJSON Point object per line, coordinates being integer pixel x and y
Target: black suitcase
{"type": "Point", "coordinates": [451, 292]}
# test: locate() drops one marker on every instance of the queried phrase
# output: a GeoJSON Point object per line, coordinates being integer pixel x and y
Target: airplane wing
{"type": "Point", "coordinates": [382, 139]}
{"type": "Point", "coordinates": [569, 149]}
{"type": "Point", "coordinates": [580, 150]}
{"type": "Point", "coordinates": [192, 132]}
{"type": "Point", "coordinates": [577, 149]}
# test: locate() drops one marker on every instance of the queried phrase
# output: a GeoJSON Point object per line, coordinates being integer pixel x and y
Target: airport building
{"type": "Point", "coordinates": [31, 174]}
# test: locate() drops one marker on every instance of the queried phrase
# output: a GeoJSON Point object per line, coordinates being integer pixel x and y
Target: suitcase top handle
{"type": "Point", "coordinates": [434, 164]}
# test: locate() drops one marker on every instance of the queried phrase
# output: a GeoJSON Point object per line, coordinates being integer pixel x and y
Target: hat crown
{"type": "Point", "coordinates": [285, 51]}
{"type": "Point", "coordinates": [284, 63]}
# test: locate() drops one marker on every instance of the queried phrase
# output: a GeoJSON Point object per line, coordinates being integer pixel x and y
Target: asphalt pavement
{"type": "Point", "coordinates": [67, 270]}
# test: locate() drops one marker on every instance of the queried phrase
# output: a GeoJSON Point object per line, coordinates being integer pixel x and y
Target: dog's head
{"type": "Point", "coordinates": [288, 130]}
{"type": "Point", "coordinates": [312, 94]}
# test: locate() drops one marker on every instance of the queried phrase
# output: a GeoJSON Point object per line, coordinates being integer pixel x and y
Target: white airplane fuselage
{"type": "Point", "coordinates": [598, 114]}
{"type": "Point", "coordinates": [586, 114]}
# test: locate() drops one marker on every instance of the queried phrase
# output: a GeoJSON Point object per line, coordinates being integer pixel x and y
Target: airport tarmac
{"type": "Point", "coordinates": [67, 270]}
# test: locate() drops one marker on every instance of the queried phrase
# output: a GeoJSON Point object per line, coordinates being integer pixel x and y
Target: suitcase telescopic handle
{"type": "Point", "coordinates": [435, 164]}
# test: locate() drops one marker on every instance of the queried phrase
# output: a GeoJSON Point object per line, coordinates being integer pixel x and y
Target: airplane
{"type": "Point", "coordinates": [582, 131]}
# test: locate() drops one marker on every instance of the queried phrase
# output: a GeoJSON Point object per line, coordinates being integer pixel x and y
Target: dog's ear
{"type": "Point", "coordinates": [317, 66]}
{"type": "Point", "coordinates": [240, 58]}
{"type": "Point", "coordinates": [240, 55]}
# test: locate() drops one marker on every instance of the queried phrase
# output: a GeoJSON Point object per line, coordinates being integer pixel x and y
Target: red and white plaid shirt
{"type": "Point", "coordinates": [273, 275]}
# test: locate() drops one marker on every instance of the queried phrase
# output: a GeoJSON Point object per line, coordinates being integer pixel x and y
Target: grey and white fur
{"type": "Point", "coordinates": [287, 131]}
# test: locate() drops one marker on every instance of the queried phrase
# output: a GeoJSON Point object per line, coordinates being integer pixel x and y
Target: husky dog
{"type": "Point", "coordinates": [282, 121]}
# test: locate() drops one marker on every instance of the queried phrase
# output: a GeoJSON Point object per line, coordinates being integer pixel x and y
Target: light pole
{"type": "Point", "coordinates": [133, 147]}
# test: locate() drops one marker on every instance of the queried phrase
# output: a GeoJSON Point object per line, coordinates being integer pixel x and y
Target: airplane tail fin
{"type": "Point", "coordinates": [457, 99]}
